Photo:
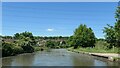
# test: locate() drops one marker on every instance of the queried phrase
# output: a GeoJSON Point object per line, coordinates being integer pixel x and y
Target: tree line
{"type": "Point", "coordinates": [25, 42]}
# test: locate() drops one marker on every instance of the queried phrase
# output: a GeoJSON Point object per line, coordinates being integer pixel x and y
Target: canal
{"type": "Point", "coordinates": [56, 57]}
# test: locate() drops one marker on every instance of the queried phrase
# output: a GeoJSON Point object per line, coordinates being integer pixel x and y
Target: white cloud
{"type": "Point", "coordinates": [50, 30]}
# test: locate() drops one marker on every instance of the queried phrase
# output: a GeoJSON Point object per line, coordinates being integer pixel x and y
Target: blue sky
{"type": "Point", "coordinates": [57, 18]}
{"type": "Point", "coordinates": [60, 0]}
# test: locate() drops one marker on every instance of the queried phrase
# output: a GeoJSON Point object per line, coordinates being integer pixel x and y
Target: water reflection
{"type": "Point", "coordinates": [21, 60]}
{"type": "Point", "coordinates": [104, 62]}
{"type": "Point", "coordinates": [24, 60]}
{"type": "Point", "coordinates": [7, 61]}
{"type": "Point", "coordinates": [79, 61]}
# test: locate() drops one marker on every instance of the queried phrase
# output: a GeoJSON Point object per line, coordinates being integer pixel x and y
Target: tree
{"type": "Point", "coordinates": [117, 27]}
{"type": "Point", "coordinates": [23, 35]}
{"type": "Point", "coordinates": [60, 37]}
{"type": "Point", "coordinates": [83, 37]}
{"type": "Point", "coordinates": [71, 41]}
{"type": "Point", "coordinates": [17, 36]}
{"type": "Point", "coordinates": [112, 33]}
{"type": "Point", "coordinates": [27, 34]}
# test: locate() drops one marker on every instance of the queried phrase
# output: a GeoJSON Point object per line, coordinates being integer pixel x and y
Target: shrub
{"type": "Point", "coordinates": [18, 50]}
{"type": "Point", "coordinates": [101, 45]}
{"type": "Point", "coordinates": [7, 49]}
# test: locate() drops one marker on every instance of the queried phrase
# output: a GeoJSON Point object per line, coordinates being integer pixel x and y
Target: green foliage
{"type": "Point", "coordinates": [70, 41]}
{"type": "Point", "coordinates": [28, 48]}
{"type": "Point", "coordinates": [83, 37]}
{"type": "Point", "coordinates": [17, 36]}
{"type": "Point", "coordinates": [23, 35]}
{"type": "Point", "coordinates": [112, 33]}
{"type": "Point", "coordinates": [117, 14]}
{"type": "Point", "coordinates": [56, 44]}
{"type": "Point", "coordinates": [18, 50]}
{"type": "Point", "coordinates": [7, 37]}
{"type": "Point", "coordinates": [38, 48]}
{"type": "Point", "coordinates": [117, 33]}
{"type": "Point", "coordinates": [9, 49]}
{"type": "Point", "coordinates": [93, 50]}
{"type": "Point", "coordinates": [101, 45]}
{"type": "Point", "coordinates": [117, 27]}
{"type": "Point", "coordinates": [50, 44]}
{"type": "Point", "coordinates": [23, 43]}
{"type": "Point", "coordinates": [51, 38]}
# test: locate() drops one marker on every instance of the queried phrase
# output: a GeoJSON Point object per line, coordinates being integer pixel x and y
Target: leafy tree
{"type": "Point", "coordinates": [23, 35]}
{"type": "Point", "coordinates": [27, 34]}
{"type": "Point", "coordinates": [70, 41]}
{"type": "Point", "coordinates": [60, 37]}
{"type": "Point", "coordinates": [17, 36]}
{"type": "Point", "coordinates": [112, 33]}
{"type": "Point", "coordinates": [83, 37]}
{"type": "Point", "coordinates": [117, 27]}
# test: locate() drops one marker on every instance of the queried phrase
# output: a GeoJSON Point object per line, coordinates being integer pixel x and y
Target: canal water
{"type": "Point", "coordinates": [56, 57]}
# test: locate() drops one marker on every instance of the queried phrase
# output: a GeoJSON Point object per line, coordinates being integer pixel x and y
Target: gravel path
{"type": "Point", "coordinates": [107, 54]}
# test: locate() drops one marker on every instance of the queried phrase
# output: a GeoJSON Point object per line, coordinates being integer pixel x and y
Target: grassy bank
{"type": "Point", "coordinates": [95, 50]}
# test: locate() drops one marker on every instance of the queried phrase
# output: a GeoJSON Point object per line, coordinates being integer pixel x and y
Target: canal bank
{"type": "Point", "coordinates": [109, 56]}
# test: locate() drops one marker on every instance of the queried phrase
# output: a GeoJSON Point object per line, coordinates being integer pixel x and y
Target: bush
{"type": "Point", "coordinates": [18, 50]}
{"type": "Point", "coordinates": [101, 45]}
{"type": "Point", "coordinates": [7, 49]}
{"type": "Point", "coordinates": [28, 48]}
{"type": "Point", "coordinates": [38, 48]}
{"type": "Point", "coordinates": [50, 44]}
